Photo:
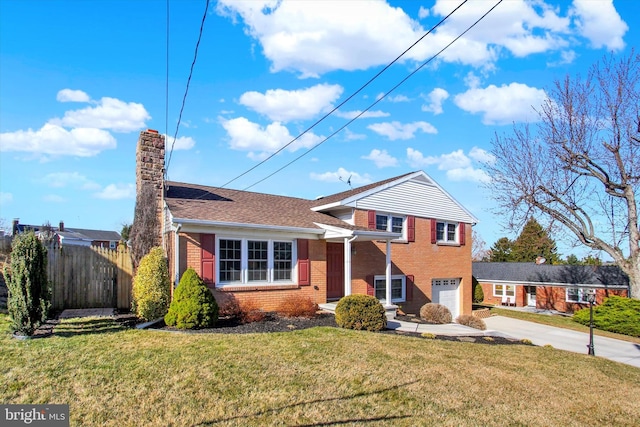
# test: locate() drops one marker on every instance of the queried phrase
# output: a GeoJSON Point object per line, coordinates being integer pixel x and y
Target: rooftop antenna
{"type": "Point", "coordinates": [348, 182]}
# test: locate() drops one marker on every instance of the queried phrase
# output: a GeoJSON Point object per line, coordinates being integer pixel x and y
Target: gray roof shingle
{"type": "Point", "coordinates": [609, 275]}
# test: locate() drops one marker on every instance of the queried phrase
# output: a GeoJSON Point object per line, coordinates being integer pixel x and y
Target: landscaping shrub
{"type": "Point", "coordinates": [615, 314]}
{"type": "Point", "coordinates": [230, 308]}
{"type": "Point", "coordinates": [151, 286]}
{"type": "Point", "coordinates": [29, 296]}
{"type": "Point", "coordinates": [193, 305]}
{"type": "Point", "coordinates": [478, 293]}
{"type": "Point", "coordinates": [435, 313]}
{"type": "Point", "coordinates": [361, 312]}
{"type": "Point", "coordinates": [297, 306]}
{"type": "Point", "coordinates": [471, 321]}
{"type": "Point", "coordinates": [250, 312]}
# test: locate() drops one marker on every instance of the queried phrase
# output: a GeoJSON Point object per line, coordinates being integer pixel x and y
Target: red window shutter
{"type": "Point", "coordinates": [411, 228]}
{"type": "Point", "coordinates": [372, 220]}
{"type": "Point", "coordinates": [208, 257]}
{"type": "Point", "coordinates": [304, 264]}
{"type": "Point", "coordinates": [463, 235]}
{"type": "Point", "coordinates": [433, 231]}
{"type": "Point", "coordinates": [409, 284]}
{"type": "Point", "coordinates": [370, 285]}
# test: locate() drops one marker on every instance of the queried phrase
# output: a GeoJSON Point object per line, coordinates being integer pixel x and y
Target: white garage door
{"type": "Point", "coordinates": [447, 293]}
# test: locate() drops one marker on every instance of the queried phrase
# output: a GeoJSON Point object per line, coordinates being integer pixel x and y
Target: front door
{"type": "Point", "coordinates": [335, 271]}
{"type": "Point", "coordinates": [531, 296]}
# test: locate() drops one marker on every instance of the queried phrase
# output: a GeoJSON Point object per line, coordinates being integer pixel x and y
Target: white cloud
{"type": "Point", "coordinates": [457, 165]}
{"type": "Point", "coordinates": [365, 115]}
{"type": "Point", "coordinates": [70, 95]}
{"type": "Point", "coordinates": [504, 104]}
{"type": "Point", "coordinates": [55, 140]}
{"type": "Point", "coordinates": [482, 156]}
{"type": "Point", "coordinates": [69, 179]}
{"type": "Point", "coordinates": [54, 198]}
{"type": "Point", "coordinates": [566, 57]}
{"type": "Point", "coordinates": [436, 97]}
{"type": "Point", "coordinates": [182, 142]}
{"type": "Point", "coordinates": [117, 191]}
{"type": "Point", "coordinates": [599, 22]}
{"type": "Point", "coordinates": [423, 12]}
{"type": "Point", "coordinates": [352, 136]}
{"type": "Point", "coordinates": [395, 99]}
{"type": "Point", "coordinates": [396, 130]}
{"type": "Point", "coordinates": [471, 80]}
{"type": "Point", "coordinates": [5, 198]}
{"type": "Point", "coordinates": [109, 113]}
{"type": "Point", "coordinates": [382, 159]}
{"type": "Point", "coordinates": [341, 175]}
{"type": "Point", "coordinates": [287, 105]}
{"type": "Point", "coordinates": [259, 141]}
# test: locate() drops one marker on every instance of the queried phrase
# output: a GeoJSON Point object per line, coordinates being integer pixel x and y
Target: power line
{"type": "Point", "coordinates": [346, 100]}
{"type": "Point", "coordinates": [166, 85]}
{"type": "Point", "coordinates": [186, 90]}
{"type": "Point", "coordinates": [379, 99]}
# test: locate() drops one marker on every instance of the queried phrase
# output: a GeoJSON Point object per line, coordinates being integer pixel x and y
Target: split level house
{"type": "Point", "coordinates": [65, 236]}
{"type": "Point", "coordinates": [563, 288]}
{"type": "Point", "coordinates": [404, 240]}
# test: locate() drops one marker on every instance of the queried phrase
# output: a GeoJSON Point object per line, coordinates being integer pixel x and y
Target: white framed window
{"type": "Point", "coordinates": [398, 288]}
{"type": "Point", "coordinates": [112, 245]}
{"type": "Point", "coordinates": [393, 223]}
{"type": "Point", "coordinates": [447, 232]}
{"type": "Point", "coordinates": [254, 261]}
{"type": "Point", "coordinates": [578, 295]}
{"type": "Point", "coordinates": [500, 290]}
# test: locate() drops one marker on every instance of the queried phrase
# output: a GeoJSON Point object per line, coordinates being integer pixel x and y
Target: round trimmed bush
{"type": "Point", "coordinates": [193, 305]}
{"type": "Point", "coordinates": [361, 312]}
{"type": "Point", "coordinates": [151, 286]}
{"type": "Point", "coordinates": [435, 313]}
{"type": "Point", "coordinates": [471, 321]}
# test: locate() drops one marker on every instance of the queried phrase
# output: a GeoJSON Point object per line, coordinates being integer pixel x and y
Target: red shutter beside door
{"type": "Point", "coordinates": [208, 258]}
{"type": "Point", "coordinates": [433, 231]}
{"type": "Point", "coordinates": [463, 235]}
{"type": "Point", "coordinates": [304, 264]}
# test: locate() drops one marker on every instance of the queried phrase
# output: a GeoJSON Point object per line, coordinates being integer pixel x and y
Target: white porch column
{"type": "Point", "coordinates": [347, 266]}
{"type": "Point", "coordinates": [388, 274]}
{"type": "Point", "coordinates": [176, 256]}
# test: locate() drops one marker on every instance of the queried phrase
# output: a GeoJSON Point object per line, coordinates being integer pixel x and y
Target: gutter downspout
{"type": "Point", "coordinates": [176, 256]}
{"type": "Point", "coordinates": [347, 264]}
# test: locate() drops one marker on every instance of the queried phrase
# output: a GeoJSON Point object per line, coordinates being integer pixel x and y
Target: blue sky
{"type": "Point", "coordinates": [79, 80]}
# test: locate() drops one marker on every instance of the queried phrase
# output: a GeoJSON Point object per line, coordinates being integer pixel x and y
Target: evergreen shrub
{"type": "Point", "coordinates": [151, 286]}
{"type": "Point", "coordinates": [29, 298]}
{"type": "Point", "coordinates": [435, 313]}
{"type": "Point", "coordinates": [361, 312]}
{"type": "Point", "coordinates": [193, 305]}
{"type": "Point", "coordinates": [616, 314]}
{"type": "Point", "coordinates": [478, 293]}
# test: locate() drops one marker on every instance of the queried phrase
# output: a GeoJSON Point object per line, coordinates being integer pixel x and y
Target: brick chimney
{"type": "Point", "coordinates": [150, 170]}
{"type": "Point", "coordinates": [61, 227]}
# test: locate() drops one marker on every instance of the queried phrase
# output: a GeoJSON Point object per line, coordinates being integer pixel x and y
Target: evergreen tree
{"type": "Point", "coordinates": [534, 241]}
{"type": "Point", "coordinates": [501, 251]}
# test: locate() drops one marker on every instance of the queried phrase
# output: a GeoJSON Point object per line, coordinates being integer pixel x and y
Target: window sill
{"type": "Point", "coordinates": [453, 244]}
{"type": "Point", "coordinates": [254, 287]}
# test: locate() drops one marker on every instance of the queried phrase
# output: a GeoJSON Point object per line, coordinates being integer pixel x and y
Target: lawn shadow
{"type": "Point", "coordinates": [311, 402]}
{"type": "Point", "coordinates": [86, 326]}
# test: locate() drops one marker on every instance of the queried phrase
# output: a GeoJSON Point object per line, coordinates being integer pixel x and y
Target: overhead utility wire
{"type": "Point", "coordinates": [186, 90]}
{"type": "Point", "coordinates": [346, 100]}
{"type": "Point", "coordinates": [166, 84]}
{"type": "Point", "coordinates": [378, 100]}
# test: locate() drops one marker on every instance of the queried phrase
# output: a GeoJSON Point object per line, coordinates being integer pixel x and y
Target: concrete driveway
{"type": "Point", "coordinates": [565, 339]}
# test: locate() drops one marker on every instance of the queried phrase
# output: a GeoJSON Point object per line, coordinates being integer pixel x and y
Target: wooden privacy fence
{"type": "Point", "coordinates": [90, 277]}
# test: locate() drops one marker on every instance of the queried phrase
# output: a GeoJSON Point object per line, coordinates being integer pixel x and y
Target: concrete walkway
{"type": "Point", "coordinates": [564, 339]}
{"type": "Point", "coordinates": [450, 329]}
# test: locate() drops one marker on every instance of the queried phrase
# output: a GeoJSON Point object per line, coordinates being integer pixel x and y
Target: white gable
{"type": "Point", "coordinates": [419, 196]}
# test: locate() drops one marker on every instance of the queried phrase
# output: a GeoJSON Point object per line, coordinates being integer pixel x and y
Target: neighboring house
{"type": "Point", "coordinates": [404, 240]}
{"type": "Point", "coordinates": [73, 236]}
{"type": "Point", "coordinates": [562, 288]}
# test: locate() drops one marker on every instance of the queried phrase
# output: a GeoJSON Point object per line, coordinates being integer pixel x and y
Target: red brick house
{"type": "Point", "coordinates": [562, 288]}
{"type": "Point", "coordinates": [404, 240]}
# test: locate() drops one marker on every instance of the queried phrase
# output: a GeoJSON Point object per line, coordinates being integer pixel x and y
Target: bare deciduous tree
{"type": "Point", "coordinates": [580, 166]}
{"type": "Point", "coordinates": [479, 251]}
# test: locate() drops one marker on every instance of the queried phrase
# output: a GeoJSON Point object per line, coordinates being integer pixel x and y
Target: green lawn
{"type": "Point", "coordinates": [560, 322]}
{"type": "Point", "coordinates": [322, 376]}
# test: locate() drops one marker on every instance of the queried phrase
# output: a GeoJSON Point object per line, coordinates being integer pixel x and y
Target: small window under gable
{"type": "Point", "coordinates": [447, 232]}
{"type": "Point", "coordinates": [392, 223]}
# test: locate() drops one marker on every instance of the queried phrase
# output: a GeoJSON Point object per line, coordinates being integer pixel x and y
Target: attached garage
{"type": "Point", "coordinates": [447, 293]}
